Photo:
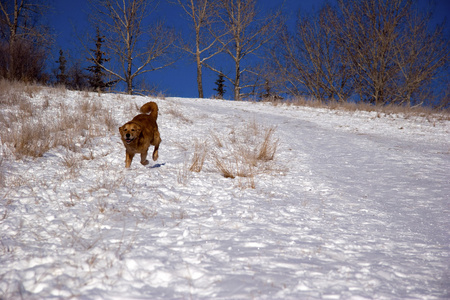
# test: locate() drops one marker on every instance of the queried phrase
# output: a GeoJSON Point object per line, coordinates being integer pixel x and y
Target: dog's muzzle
{"type": "Point", "coordinates": [128, 138]}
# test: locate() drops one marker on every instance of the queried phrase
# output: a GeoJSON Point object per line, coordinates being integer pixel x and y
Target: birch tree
{"type": "Point", "coordinates": [135, 47]}
{"type": "Point", "coordinates": [202, 15]}
{"type": "Point", "coordinates": [247, 34]}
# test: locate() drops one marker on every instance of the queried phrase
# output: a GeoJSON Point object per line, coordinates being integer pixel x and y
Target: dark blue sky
{"type": "Point", "coordinates": [180, 80]}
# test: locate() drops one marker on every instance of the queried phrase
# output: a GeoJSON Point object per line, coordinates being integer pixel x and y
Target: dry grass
{"type": "Point", "coordinates": [160, 96]}
{"type": "Point", "coordinates": [225, 167]}
{"type": "Point", "coordinates": [183, 174]}
{"type": "Point", "coordinates": [198, 159]}
{"type": "Point", "coordinates": [268, 147]}
{"type": "Point", "coordinates": [90, 106]}
{"type": "Point", "coordinates": [30, 139]}
{"type": "Point", "coordinates": [110, 121]}
{"type": "Point", "coordinates": [427, 113]}
{"type": "Point", "coordinates": [174, 111]}
{"type": "Point", "coordinates": [30, 129]}
{"type": "Point", "coordinates": [179, 214]}
{"type": "Point", "coordinates": [241, 153]}
{"type": "Point", "coordinates": [12, 93]}
{"type": "Point", "coordinates": [245, 152]}
{"type": "Point", "coordinates": [216, 139]}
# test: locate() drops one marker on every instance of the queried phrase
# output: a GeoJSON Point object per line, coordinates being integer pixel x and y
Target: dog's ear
{"type": "Point", "coordinates": [138, 128]}
{"type": "Point", "coordinates": [120, 129]}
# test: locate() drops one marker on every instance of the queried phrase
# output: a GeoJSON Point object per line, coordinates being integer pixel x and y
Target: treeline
{"type": "Point", "coordinates": [376, 51]}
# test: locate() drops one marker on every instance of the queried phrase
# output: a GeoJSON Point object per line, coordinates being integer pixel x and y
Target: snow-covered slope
{"type": "Point", "coordinates": [352, 206]}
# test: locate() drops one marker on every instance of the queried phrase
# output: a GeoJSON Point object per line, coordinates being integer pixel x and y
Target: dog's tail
{"type": "Point", "coordinates": [150, 107]}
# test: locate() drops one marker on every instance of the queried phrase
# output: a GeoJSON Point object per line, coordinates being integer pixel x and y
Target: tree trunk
{"type": "Point", "coordinates": [237, 87]}
{"type": "Point", "coordinates": [199, 79]}
{"type": "Point", "coordinates": [199, 69]}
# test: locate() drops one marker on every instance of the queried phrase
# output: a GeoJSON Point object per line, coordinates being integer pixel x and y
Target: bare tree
{"type": "Point", "coordinates": [202, 14]}
{"type": "Point", "coordinates": [136, 48]}
{"type": "Point", "coordinates": [311, 61]}
{"type": "Point", "coordinates": [391, 49]}
{"type": "Point", "coordinates": [420, 56]}
{"type": "Point", "coordinates": [25, 41]}
{"type": "Point", "coordinates": [369, 33]}
{"type": "Point", "coordinates": [247, 34]}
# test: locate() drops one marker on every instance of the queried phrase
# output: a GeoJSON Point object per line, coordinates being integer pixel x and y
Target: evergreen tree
{"type": "Point", "coordinates": [97, 73]}
{"type": "Point", "coordinates": [61, 77]}
{"type": "Point", "coordinates": [220, 86]}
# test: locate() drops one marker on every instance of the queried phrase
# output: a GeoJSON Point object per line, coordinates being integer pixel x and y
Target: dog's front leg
{"type": "Point", "coordinates": [128, 159]}
{"type": "Point", "coordinates": [144, 160]}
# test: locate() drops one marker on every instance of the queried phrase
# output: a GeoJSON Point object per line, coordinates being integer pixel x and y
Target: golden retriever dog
{"type": "Point", "coordinates": [141, 132]}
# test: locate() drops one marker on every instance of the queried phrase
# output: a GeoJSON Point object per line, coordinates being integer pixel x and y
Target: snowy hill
{"type": "Point", "coordinates": [246, 201]}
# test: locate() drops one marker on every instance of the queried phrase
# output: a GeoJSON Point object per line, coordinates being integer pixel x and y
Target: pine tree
{"type": "Point", "coordinates": [61, 78]}
{"type": "Point", "coordinates": [220, 86]}
{"type": "Point", "coordinates": [97, 74]}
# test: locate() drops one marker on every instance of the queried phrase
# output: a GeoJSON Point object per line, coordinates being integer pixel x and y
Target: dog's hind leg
{"type": "Point", "coordinates": [157, 140]}
{"type": "Point", "coordinates": [155, 153]}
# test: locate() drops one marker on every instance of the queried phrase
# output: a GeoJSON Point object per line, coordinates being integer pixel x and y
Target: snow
{"type": "Point", "coordinates": [354, 205]}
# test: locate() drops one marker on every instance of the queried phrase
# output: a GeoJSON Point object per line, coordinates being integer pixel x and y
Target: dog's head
{"type": "Point", "coordinates": [129, 132]}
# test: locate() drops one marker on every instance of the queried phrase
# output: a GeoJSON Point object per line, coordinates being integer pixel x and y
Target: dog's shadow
{"type": "Point", "coordinates": [157, 166]}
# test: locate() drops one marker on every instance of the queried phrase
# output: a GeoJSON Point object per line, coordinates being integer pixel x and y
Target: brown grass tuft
{"type": "Point", "coordinates": [268, 147]}
{"type": "Point", "coordinates": [225, 168]}
{"type": "Point", "coordinates": [30, 140]}
{"type": "Point", "coordinates": [198, 159]}
{"type": "Point", "coordinates": [179, 115]}
{"type": "Point", "coordinates": [245, 152]}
